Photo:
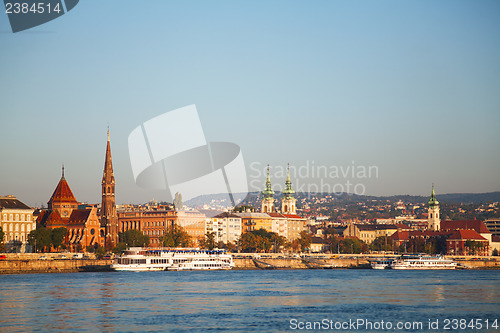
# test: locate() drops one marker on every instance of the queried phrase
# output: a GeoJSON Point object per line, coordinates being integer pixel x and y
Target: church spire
{"type": "Point", "coordinates": [288, 192]}
{"type": "Point", "coordinates": [433, 201]}
{"type": "Point", "coordinates": [268, 192]}
{"type": "Point", "coordinates": [62, 171]}
{"type": "Point", "coordinates": [109, 217]}
{"type": "Point", "coordinates": [267, 205]}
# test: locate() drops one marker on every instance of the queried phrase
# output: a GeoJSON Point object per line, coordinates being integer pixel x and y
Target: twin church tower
{"type": "Point", "coordinates": [287, 203]}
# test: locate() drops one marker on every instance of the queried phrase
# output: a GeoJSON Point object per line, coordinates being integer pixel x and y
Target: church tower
{"type": "Point", "coordinates": [268, 200]}
{"type": "Point", "coordinates": [62, 200]}
{"type": "Point", "coordinates": [433, 220]}
{"type": "Point", "coordinates": [288, 202]}
{"type": "Point", "coordinates": [109, 217]}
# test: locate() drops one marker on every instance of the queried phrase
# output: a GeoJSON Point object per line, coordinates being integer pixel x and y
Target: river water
{"type": "Point", "coordinates": [252, 301]}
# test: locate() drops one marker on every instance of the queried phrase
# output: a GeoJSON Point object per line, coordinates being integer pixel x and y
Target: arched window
{"type": "Point", "coordinates": [431, 215]}
{"type": "Point", "coordinates": [29, 217]}
{"type": "Point", "coordinates": [286, 209]}
{"type": "Point", "coordinates": [17, 217]}
{"type": "Point", "coordinates": [22, 217]}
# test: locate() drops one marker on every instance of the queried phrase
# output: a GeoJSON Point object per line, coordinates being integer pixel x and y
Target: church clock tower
{"type": "Point", "coordinates": [433, 220]}
{"type": "Point", "coordinates": [268, 200]}
{"type": "Point", "coordinates": [109, 217]}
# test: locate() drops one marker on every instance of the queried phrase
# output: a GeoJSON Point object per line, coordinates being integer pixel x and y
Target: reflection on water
{"type": "Point", "coordinates": [239, 300]}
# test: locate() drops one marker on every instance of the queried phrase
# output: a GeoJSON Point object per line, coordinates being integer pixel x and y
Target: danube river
{"type": "Point", "coordinates": [251, 301]}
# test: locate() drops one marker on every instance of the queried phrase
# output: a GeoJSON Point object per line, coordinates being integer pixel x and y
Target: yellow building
{"type": "Point", "coordinates": [368, 232]}
{"type": "Point", "coordinates": [16, 220]}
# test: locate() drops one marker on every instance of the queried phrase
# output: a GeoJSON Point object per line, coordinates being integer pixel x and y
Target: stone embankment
{"type": "Point", "coordinates": [278, 261]}
{"type": "Point", "coordinates": [50, 263]}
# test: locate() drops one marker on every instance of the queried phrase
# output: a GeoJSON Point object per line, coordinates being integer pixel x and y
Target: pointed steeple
{"type": "Point", "coordinates": [433, 201]}
{"type": "Point", "coordinates": [268, 192]}
{"type": "Point", "coordinates": [288, 192]}
{"type": "Point", "coordinates": [62, 197]}
{"type": "Point", "coordinates": [109, 217]}
{"type": "Point", "coordinates": [108, 175]}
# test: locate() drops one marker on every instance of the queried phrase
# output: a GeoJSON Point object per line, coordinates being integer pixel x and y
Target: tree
{"type": "Point", "coordinates": [353, 245]}
{"type": "Point", "coordinates": [495, 253]}
{"type": "Point", "coordinates": [134, 237]}
{"type": "Point", "coordinates": [119, 248]}
{"type": "Point", "coordinates": [2, 235]}
{"type": "Point", "coordinates": [100, 251]}
{"type": "Point", "coordinates": [40, 238]}
{"type": "Point", "coordinates": [176, 236]}
{"type": "Point", "coordinates": [248, 242]}
{"type": "Point", "coordinates": [208, 242]}
{"type": "Point", "coordinates": [304, 240]}
{"type": "Point", "coordinates": [58, 236]}
{"type": "Point", "coordinates": [382, 243]}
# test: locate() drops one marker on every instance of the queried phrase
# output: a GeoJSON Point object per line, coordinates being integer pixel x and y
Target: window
{"type": "Point", "coordinates": [28, 217]}
{"type": "Point", "coordinates": [22, 217]}
{"type": "Point", "coordinates": [17, 217]}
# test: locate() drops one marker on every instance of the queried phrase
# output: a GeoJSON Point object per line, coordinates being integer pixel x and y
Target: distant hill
{"type": "Point", "coordinates": [252, 198]}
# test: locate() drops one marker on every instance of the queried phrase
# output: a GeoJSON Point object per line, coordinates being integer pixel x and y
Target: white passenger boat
{"type": "Point", "coordinates": [381, 263]}
{"type": "Point", "coordinates": [160, 259]}
{"type": "Point", "coordinates": [422, 261]}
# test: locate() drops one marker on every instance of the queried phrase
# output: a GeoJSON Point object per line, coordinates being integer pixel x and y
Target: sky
{"type": "Point", "coordinates": [408, 90]}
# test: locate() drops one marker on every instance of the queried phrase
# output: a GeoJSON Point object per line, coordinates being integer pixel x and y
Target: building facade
{"type": "Point", "coordinates": [227, 227]}
{"type": "Point", "coordinates": [16, 220]}
{"type": "Point", "coordinates": [81, 221]}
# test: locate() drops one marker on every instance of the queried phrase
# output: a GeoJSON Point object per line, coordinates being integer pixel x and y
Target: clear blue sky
{"type": "Point", "coordinates": [411, 87]}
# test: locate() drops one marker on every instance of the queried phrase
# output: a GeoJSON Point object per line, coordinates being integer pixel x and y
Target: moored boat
{"type": "Point", "coordinates": [422, 261]}
{"type": "Point", "coordinates": [381, 263]}
{"type": "Point", "coordinates": [161, 259]}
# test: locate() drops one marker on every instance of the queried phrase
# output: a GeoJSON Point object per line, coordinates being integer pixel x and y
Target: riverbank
{"type": "Point", "coordinates": [58, 263]}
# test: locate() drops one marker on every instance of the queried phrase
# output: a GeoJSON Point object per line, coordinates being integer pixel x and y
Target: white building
{"type": "Point", "coordinates": [226, 226]}
{"type": "Point", "coordinates": [16, 220]}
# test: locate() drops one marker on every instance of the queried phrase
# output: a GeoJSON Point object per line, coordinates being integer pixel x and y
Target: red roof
{"type": "Point", "coordinates": [293, 216]}
{"type": "Point", "coordinates": [476, 225]}
{"type": "Point", "coordinates": [50, 218]}
{"type": "Point", "coordinates": [79, 216]}
{"type": "Point", "coordinates": [405, 235]}
{"type": "Point", "coordinates": [62, 194]}
{"type": "Point", "coordinates": [276, 215]}
{"type": "Point", "coordinates": [466, 235]}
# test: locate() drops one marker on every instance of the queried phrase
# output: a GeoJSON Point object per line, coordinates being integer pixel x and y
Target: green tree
{"type": "Point", "coordinates": [304, 240]}
{"type": "Point", "coordinates": [382, 243]}
{"type": "Point", "coordinates": [176, 236]}
{"type": "Point", "coordinates": [2, 235]}
{"type": "Point", "coordinates": [495, 252]}
{"type": "Point", "coordinates": [248, 242]}
{"type": "Point", "coordinates": [58, 236]}
{"type": "Point", "coordinates": [119, 248]}
{"type": "Point", "coordinates": [208, 242]}
{"type": "Point", "coordinates": [133, 238]}
{"type": "Point", "coordinates": [100, 251]}
{"type": "Point", "coordinates": [352, 245]}
{"type": "Point", "coordinates": [40, 238]}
